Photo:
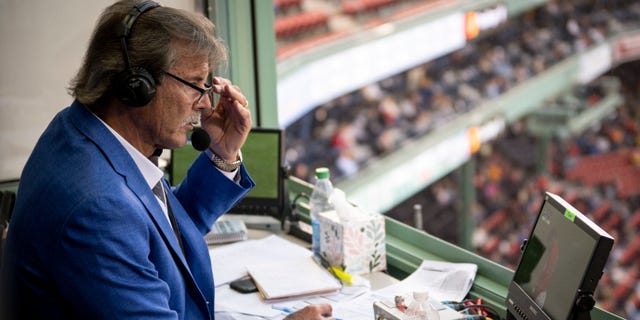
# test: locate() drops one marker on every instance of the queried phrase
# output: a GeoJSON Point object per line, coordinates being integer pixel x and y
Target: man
{"type": "Point", "coordinates": [96, 232]}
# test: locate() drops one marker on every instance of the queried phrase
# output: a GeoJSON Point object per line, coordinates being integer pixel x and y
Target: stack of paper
{"type": "Point", "coordinates": [285, 279]}
{"type": "Point", "coordinates": [230, 262]}
{"type": "Point", "coordinates": [443, 280]}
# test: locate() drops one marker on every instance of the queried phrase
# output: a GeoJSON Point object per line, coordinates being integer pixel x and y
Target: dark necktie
{"type": "Point", "coordinates": [159, 191]}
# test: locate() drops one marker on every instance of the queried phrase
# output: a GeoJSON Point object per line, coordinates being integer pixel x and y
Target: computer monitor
{"type": "Point", "coordinates": [262, 157]}
{"type": "Point", "coordinates": [560, 266]}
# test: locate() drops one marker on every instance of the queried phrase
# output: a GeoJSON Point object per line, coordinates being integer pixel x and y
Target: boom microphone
{"type": "Point", "coordinates": [200, 139]}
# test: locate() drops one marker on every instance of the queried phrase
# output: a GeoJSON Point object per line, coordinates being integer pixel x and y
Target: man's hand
{"type": "Point", "coordinates": [229, 122]}
{"type": "Point", "coordinates": [312, 312]}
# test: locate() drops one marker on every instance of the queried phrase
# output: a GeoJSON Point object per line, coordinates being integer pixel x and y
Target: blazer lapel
{"type": "Point", "coordinates": [121, 161]}
{"type": "Point", "coordinates": [196, 248]}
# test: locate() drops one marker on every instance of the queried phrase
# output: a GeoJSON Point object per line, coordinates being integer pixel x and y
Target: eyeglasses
{"type": "Point", "coordinates": [207, 90]}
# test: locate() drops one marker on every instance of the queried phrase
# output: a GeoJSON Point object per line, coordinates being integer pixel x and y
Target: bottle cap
{"type": "Point", "coordinates": [322, 173]}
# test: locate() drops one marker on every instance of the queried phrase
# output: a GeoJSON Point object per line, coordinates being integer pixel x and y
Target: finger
{"type": "Point", "coordinates": [206, 113]}
{"type": "Point", "coordinates": [230, 94]}
{"type": "Point", "coordinates": [235, 93]}
{"type": "Point", "coordinates": [242, 99]}
{"type": "Point", "coordinates": [220, 80]}
{"type": "Point", "coordinates": [225, 86]}
{"type": "Point", "coordinates": [325, 309]}
{"type": "Point", "coordinates": [220, 85]}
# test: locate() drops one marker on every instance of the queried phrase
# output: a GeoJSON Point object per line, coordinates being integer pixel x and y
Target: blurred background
{"type": "Point", "coordinates": [461, 112]}
{"type": "Point", "coordinates": [579, 137]}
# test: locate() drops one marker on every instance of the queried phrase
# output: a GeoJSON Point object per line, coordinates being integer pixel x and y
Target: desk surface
{"type": "Point", "coordinates": [377, 279]}
{"type": "Point", "coordinates": [231, 302]}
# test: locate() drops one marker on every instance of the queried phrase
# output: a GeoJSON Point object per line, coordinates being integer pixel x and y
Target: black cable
{"type": "Point", "coordinates": [462, 307]}
{"type": "Point", "coordinates": [493, 314]}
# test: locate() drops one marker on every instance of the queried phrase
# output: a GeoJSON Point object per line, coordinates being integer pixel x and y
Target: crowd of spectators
{"type": "Point", "coordinates": [510, 187]}
{"type": "Point", "coordinates": [510, 192]}
{"type": "Point", "coordinates": [379, 118]}
{"type": "Point", "coordinates": [351, 130]}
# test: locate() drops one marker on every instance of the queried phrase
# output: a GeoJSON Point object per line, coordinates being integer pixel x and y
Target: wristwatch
{"type": "Point", "coordinates": [226, 165]}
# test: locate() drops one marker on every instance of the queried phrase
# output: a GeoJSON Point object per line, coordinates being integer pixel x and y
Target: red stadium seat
{"type": "Point", "coordinates": [355, 7]}
{"type": "Point", "coordinates": [494, 220]}
{"type": "Point", "coordinates": [634, 221]}
{"type": "Point", "coordinates": [491, 245]}
{"type": "Point", "coordinates": [287, 4]}
{"type": "Point", "coordinates": [296, 24]}
{"type": "Point", "coordinates": [630, 253]}
{"type": "Point", "coordinates": [601, 211]}
{"type": "Point", "coordinates": [614, 168]}
{"type": "Point", "coordinates": [628, 182]}
{"type": "Point", "coordinates": [612, 222]}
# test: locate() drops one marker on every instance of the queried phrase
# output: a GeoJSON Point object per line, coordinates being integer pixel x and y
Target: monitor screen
{"type": "Point", "coordinates": [563, 257]}
{"type": "Point", "coordinates": [262, 157]}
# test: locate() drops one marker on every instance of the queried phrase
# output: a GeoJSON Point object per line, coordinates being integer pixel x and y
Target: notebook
{"type": "Point", "coordinates": [292, 278]}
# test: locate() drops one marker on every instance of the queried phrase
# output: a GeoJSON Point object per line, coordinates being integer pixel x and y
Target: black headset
{"type": "Point", "coordinates": [134, 86]}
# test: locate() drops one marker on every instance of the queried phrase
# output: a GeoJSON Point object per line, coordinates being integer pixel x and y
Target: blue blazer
{"type": "Point", "coordinates": [88, 239]}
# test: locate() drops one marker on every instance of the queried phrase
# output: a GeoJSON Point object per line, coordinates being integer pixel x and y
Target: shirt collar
{"type": "Point", "coordinates": [151, 173]}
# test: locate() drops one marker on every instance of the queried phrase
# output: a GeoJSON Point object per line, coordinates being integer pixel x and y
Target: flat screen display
{"type": "Point", "coordinates": [547, 276]}
{"type": "Point", "coordinates": [563, 257]}
{"type": "Point", "coordinates": [262, 157]}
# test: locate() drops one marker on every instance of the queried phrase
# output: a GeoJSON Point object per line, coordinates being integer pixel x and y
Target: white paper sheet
{"type": "Point", "coordinates": [443, 280]}
{"type": "Point", "coordinates": [250, 304]}
{"type": "Point", "coordinates": [229, 262]}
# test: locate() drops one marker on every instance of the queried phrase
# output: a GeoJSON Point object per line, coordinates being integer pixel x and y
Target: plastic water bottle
{"type": "Point", "coordinates": [318, 203]}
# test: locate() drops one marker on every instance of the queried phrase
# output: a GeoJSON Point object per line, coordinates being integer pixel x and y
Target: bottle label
{"type": "Point", "coordinates": [315, 236]}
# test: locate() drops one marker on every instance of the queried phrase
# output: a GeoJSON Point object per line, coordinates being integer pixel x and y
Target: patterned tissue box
{"type": "Point", "coordinates": [356, 246]}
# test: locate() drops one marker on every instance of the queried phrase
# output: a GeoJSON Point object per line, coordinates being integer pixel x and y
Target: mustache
{"type": "Point", "coordinates": [193, 119]}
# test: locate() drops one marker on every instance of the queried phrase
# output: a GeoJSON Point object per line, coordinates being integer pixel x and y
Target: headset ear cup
{"type": "Point", "coordinates": [135, 87]}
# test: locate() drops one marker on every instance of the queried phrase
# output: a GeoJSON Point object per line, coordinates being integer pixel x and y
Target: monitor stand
{"type": "Point", "coordinates": [584, 305]}
{"type": "Point", "coordinates": [582, 309]}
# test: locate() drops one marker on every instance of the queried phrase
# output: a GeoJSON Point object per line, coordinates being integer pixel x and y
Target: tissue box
{"type": "Point", "coordinates": [357, 246]}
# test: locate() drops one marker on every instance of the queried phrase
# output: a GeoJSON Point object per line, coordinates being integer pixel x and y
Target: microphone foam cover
{"type": "Point", "coordinates": [200, 139]}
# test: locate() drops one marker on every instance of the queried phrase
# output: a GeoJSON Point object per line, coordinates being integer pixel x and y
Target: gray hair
{"type": "Point", "coordinates": [159, 38]}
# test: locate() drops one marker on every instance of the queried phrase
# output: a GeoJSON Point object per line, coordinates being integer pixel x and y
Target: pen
{"type": "Point", "coordinates": [289, 310]}
{"type": "Point", "coordinates": [283, 309]}
{"type": "Point", "coordinates": [343, 276]}
{"type": "Point", "coordinates": [325, 264]}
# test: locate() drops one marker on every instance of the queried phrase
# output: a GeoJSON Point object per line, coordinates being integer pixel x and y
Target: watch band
{"type": "Point", "coordinates": [225, 165]}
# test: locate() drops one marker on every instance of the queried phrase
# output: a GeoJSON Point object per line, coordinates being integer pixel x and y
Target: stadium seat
{"type": "Point", "coordinates": [294, 25]}
{"type": "Point", "coordinates": [494, 220]}
{"type": "Point", "coordinates": [355, 7]}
